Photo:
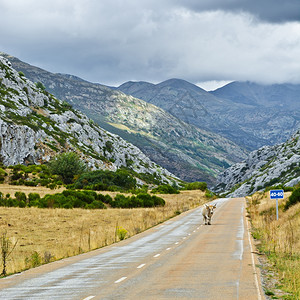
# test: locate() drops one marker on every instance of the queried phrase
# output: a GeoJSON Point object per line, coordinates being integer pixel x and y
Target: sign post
{"type": "Point", "coordinates": [276, 194]}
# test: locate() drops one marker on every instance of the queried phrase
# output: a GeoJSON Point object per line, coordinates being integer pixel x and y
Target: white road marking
{"type": "Point", "coordinates": [184, 237]}
{"type": "Point", "coordinates": [140, 266]}
{"type": "Point", "coordinates": [176, 243]}
{"type": "Point", "coordinates": [194, 231]}
{"type": "Point", "coordinates": [89, 298]}
{"type": "Point", "coordinates": [189, 234]}
{"type": "Point", "coordinates": [157, 255]}
{"type": "Point", "coordinates": [121, 279]}
{"type": "Point", "coordinates": [253, 263]}
{"type": "Point", "coordinates": [198, 228]}
{"type": "Point", "coordinates": [168, 249]}
{"type": "Point", "coordinates": [238, 254]}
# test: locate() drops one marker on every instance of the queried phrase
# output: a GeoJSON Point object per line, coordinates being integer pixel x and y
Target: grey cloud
{"type": "Point", "coordinates": [268, 10]}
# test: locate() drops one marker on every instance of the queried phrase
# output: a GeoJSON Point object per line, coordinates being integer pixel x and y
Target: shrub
{"type": "Point", "coordinates": [20, 196]}
{"type": "Point", "coordinates": [141, 200]}
{"type": "Point", "coordinates": [293, 199]}
{"type": "Point", "coordinates": [165, 189]}
{"type": "Point", "coordinates": [102, 180]}
{"type": "Point", "coordinates": [2, 175]}
{"type": "Point", "coordinates": [121, 232]}
{"type": "Point", "coordinates": [104, 198]}
{"type": "Point", "coordinates": [196, 186]}
{"type": "Point", "coordinates": [96, 204]}
{"type": "Point", "coordinates": [33, 199]}
{"type": "Point", "coordinates": [39, 85]}
{"type": "Point", "coordinates": [34, 260]}
{"type": "Point", "coordinates": [209, 194]}
{"type": "Point", "coordinates": [158, 201]}
{"type": "Point", "coordinates": [67, 165]}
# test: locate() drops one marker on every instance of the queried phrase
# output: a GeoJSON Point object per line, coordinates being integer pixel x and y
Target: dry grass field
{"type": "Point", "coordinates": [43, 235]}
{"type": "Point", "coordinates": [279, 240]}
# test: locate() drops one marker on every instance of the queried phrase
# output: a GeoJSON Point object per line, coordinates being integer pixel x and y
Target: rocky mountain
{"type": "Point", "coordinates": [187, 151]}
{"type": "Point", "coordinates": [267, 166]}
{"type": "Point", "coordinates": [249, 114]}
{"type": "Point", "coordinates": [274, 110]}
{"type": "Point", "coordinates": [35, 126]}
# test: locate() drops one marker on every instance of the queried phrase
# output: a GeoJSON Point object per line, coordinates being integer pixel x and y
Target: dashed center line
{"type": "Point", "coordinates": [176, 243]}
{"type": "Point", "coordinates": [184, 237]}
{"type": "Point", "coordinates": [89, 298]}
{"type": "Point", "coordinates": [140, 266]}
{"type": "Point", "coordinates": [121, 279]}
{"type": "Point", "coordinates": [168, 249]}
{"type": "Point", "coordinates": [156, 255]}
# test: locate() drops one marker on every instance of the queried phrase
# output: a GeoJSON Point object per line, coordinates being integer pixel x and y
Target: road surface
{"type": "Point", "coordinates": [179, 259]}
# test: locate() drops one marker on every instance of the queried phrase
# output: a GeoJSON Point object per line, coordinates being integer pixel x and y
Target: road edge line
{"type": "Point", "coordinates": [253, 264]}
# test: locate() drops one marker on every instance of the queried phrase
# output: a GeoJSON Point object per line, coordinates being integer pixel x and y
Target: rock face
{"type": "Point", "coordinates": [34, 126]}
{"type": "Point", "coordinates": [188, 152]}
{"type": "Point", "coordinates": [268, 166]}
{"type": "Point", "coordinates": [249, 114]}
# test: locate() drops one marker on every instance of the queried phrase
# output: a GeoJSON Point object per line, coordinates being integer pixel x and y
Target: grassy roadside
{"type": "Point", "coordinates": [279, 243]}
{"type": "Point", "coordinates": [44, 235]}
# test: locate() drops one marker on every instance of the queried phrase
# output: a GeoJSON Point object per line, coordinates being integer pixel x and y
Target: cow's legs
{"type": "Point", "coordinates": [205, 220]}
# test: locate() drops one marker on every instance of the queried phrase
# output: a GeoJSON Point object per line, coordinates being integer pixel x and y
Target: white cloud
{"type": "Point", "coordinates": [212, 84]}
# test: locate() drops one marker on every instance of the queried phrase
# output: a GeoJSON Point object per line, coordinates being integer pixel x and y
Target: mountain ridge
{"type": "Point", "coordinates": [249, 114]}
{"type": "Point", "coordinates": [188, 152]}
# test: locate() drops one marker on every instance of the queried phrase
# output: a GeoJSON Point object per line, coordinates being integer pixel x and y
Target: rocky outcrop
{"type": "Point", "coordinates": [35, 126]}
{"type": "Point", "coordinates": [268, 166]}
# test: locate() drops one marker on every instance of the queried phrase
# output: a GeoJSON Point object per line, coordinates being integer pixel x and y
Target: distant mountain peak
{"type": "Point", "coordinates": [180, 84]}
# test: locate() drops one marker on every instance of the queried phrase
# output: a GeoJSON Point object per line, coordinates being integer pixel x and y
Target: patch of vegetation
{"type": "Point", "coordinates": [67, 165]}
{"type": "Point", "coordinates": [147, 177]}
{"type": "Point", "coordinates": [39, 85]}
{"type": "Point", "coordinates": [165, 189]}
{"type": "Point", "coordinates": [141, 200]}
{"type": "Point", "coordinates": [104, 180]}
{"type": "Point", "coordinates": [34, 175]}
{"type": "Point", "coordinates": [279, 243]}
{"type": "Point", "coordinates": [196, 186]}
{"type": "Point", "coordinates": [66, 199]}
{"type": "Point", "coordinates": [293, 199]}
{"type": "Point", "coordinates": [3, 174]}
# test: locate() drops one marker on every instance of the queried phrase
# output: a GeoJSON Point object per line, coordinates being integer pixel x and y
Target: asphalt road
{"type": "Point", "coordinates": [180, 259]}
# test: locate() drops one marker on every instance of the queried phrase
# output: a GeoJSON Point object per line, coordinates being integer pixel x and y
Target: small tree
{"type": "Point", "coordinates": [40, 86]}
{"type": "Point", "coordinates": [67, 165]}
{"type": "Point", "coordinates": [6, 249]}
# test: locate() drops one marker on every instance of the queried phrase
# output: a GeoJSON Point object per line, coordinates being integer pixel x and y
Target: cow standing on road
{"type": "Point", "coordinates": [207, 212]}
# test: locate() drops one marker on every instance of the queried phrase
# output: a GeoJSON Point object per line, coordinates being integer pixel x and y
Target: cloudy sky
{"type": "Point", "coordinates": [113, 41]}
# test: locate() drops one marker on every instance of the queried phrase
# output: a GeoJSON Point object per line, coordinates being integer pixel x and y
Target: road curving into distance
{"type": "Point", "coordinates": [179, 259]}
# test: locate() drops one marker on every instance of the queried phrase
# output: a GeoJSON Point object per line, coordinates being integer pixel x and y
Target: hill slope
{"type": "Point", "coordinates": [267, 166]}
{"type": "Point", "coordinates": [251, 115]}
{"type": "Point", "coordinates": [188, 152]}
{"type": "Point", "coordinates": [34, 126]}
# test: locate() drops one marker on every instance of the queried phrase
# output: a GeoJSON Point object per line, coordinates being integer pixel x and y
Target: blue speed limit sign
{"type": "Point", "coordinates": [276, 194]}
